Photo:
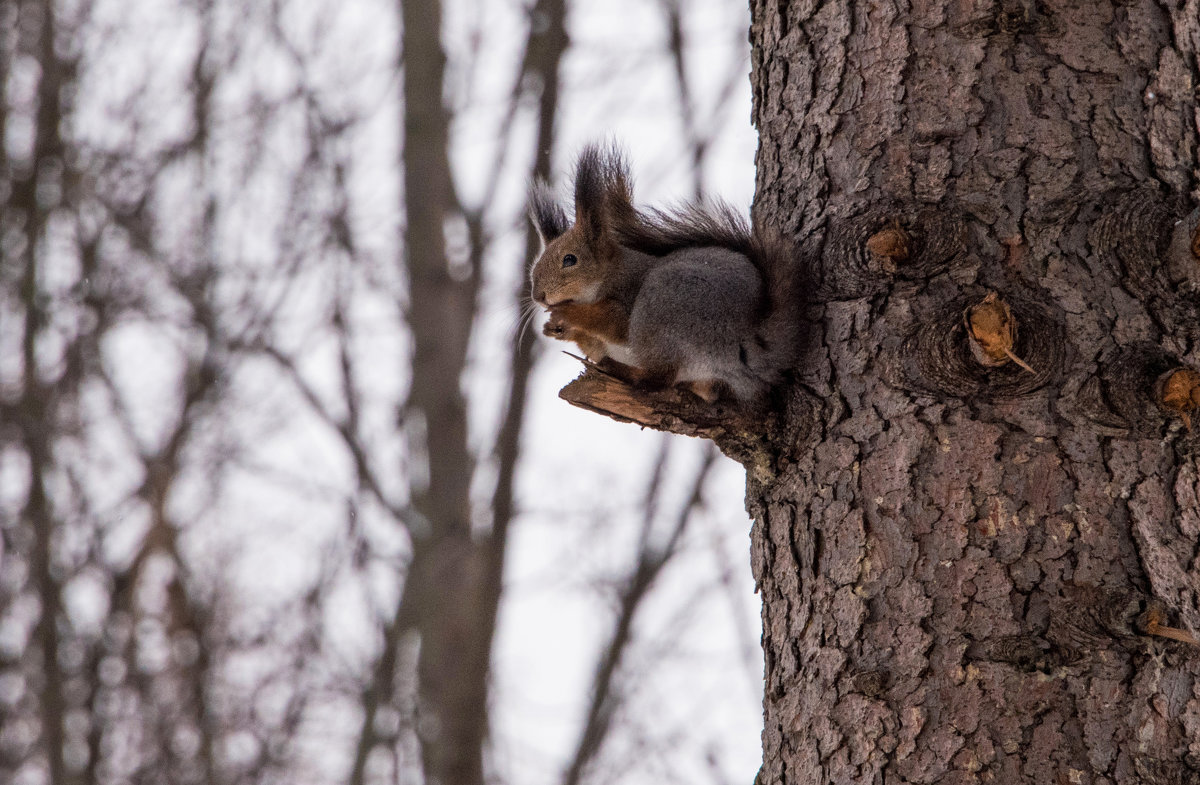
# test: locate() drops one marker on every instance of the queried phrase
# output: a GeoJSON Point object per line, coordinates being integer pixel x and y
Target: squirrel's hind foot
{"type": "Point", "coordinates": [707, 390]}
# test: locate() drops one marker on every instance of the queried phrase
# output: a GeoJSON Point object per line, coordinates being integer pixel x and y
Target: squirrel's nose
{"type": "Point", "coordinates": [540, 296]}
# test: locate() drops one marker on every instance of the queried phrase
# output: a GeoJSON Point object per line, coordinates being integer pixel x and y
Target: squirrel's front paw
{"type": "Point", "coordinates": [555, 329]}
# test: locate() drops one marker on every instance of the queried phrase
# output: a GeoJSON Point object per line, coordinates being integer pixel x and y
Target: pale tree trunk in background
{"type": "Point", "coordinates": [29, 210]}
{"type": "Point", "coordinates": [959, 564]}
{"type": "Point", "coordinates": [452, 589]}
{"type": "Point", "coordinates": [442, 589]}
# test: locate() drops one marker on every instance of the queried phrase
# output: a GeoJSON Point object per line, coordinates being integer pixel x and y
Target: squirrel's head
{"type": "Point", "coordinates": [578, 259]}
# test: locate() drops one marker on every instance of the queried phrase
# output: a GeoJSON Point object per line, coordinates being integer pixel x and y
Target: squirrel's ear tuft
{"type": "Point", "coordinates": [549, 218]}
{"type": "Point", "coordinates": [603, 195]}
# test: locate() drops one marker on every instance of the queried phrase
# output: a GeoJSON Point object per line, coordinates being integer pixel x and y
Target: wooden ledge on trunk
{"type": "Point", "coordinates": [663, 410]}
{"type": "Point", "coordinates": [747, 435]}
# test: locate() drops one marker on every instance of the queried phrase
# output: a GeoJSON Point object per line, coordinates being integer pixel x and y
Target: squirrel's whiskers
{"type": "Point", "coordinates": [526, 313]}
{"type": "Point", "coordinates": [529, 311]}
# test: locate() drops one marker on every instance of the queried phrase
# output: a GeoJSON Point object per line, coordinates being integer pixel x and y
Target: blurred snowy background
{"type": "Point", "coordinates": [212, 471]}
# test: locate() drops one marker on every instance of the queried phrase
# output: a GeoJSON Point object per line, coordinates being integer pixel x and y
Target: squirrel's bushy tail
{"type": "Point", "coordinates": [780, 331]}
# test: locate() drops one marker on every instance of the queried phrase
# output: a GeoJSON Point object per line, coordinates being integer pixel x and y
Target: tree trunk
{"type": "Point", "coordinates": [970, 570]}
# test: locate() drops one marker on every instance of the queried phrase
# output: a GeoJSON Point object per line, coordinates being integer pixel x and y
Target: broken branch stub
{"type": "Point", "coordinates": [663, 410]}
{"type": "Point", "coordinates": [1151, 623]}
{"type": "Point", "coordinates": [891, 246]}
{"type": "Point", "coordinates": [992, 333]}
{"type": "Point", "coordinates": [1179, 393]}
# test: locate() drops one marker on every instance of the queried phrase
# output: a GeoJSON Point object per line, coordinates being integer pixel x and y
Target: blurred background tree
{"type": "Point", "coordinates": [284, 495]}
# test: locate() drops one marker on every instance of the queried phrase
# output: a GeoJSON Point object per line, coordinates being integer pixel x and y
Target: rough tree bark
{"type": "Point", "coordinates": [971, 570]}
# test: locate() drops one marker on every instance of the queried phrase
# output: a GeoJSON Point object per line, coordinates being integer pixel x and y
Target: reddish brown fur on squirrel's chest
{"type": "Point", "coordinates": [605, 319]}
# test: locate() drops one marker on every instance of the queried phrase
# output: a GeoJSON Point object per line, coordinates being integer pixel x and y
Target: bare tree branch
{"type": "Point", "coordinates": [652, 558]}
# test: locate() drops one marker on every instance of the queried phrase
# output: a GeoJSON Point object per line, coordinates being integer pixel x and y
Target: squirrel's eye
{"type": "Point", "coordinates": [569, 260]}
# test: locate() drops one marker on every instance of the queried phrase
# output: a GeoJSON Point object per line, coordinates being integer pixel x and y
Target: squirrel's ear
{"type": "Point", "coordinates": [548, 218]}
{"type": "Point", "coordinates": [603, 196]}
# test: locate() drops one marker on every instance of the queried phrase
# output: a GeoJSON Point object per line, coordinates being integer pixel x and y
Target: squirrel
{"type": "Point", "coordinates": [691, 297]}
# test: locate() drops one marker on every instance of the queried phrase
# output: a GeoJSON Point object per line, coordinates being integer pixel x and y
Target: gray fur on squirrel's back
{"type": "Point", "coordinates": [768, 322]}
{"type": "Point", "coordinates": [705, 305]}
